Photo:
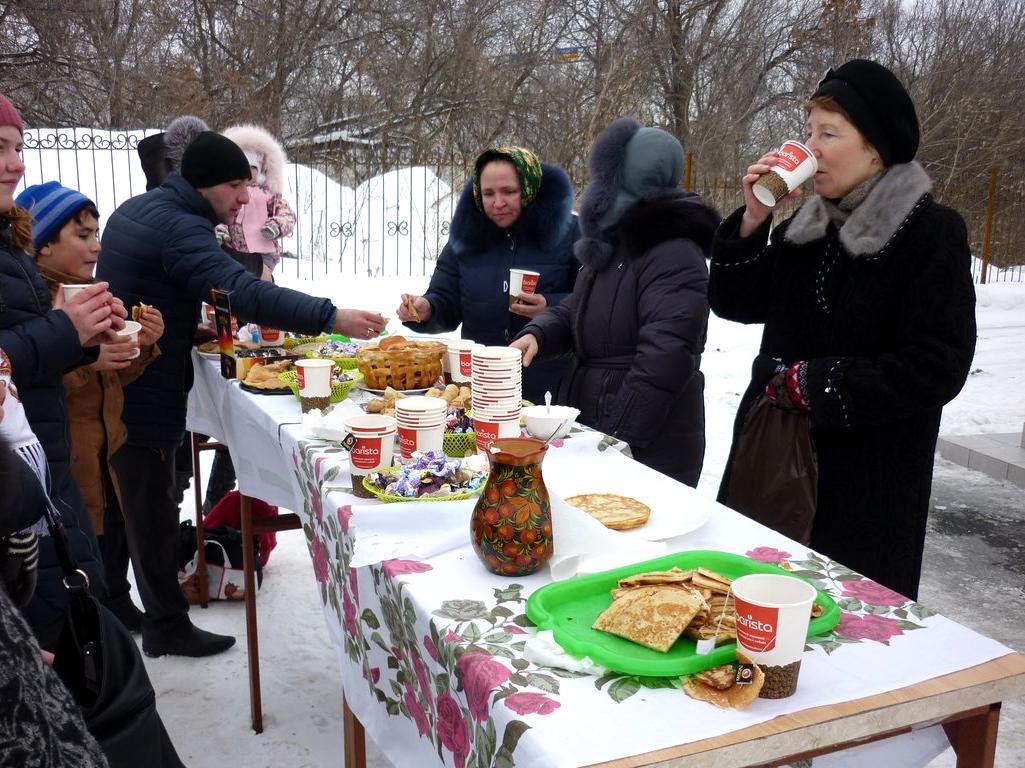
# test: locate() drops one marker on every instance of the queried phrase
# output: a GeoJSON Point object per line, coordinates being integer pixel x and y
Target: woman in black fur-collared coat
{"type": "Point", "coordinates": [637, 316]}
{"type": "Point", "coordinates": [867, 299]}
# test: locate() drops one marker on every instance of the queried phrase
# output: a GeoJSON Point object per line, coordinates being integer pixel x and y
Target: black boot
{"type": "Point", "coordinates": [126, 611]}
{"type": "Point", "coordinates": [190, 641]}
{"type": "Point", "coordinates": [221, 481]}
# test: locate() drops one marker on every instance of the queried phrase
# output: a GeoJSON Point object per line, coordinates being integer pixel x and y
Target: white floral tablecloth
{"type": "Point", "coordinates": [431, 648]}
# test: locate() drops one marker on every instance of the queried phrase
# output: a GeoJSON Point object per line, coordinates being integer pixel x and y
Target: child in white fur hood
{"type": "Point", "coordinates": [267, 217]}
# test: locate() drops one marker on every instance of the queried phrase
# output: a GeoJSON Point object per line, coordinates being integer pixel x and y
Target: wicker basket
{"type": "Point", "coordinates": [416, 365]}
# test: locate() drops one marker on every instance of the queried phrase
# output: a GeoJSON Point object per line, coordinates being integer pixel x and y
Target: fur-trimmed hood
{"type": "Point", "coordinates": [658, 215]}
{"type": "Point", "coordinates": [873, 225]}
{"type": "Point", "coordinates": [543, 223]}
{"type": "Point", "coordinates": [253, 138]}
{"type": "Point", "coordinates": [668, 215]}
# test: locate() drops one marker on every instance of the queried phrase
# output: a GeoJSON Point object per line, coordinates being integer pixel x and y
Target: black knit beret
{"type": "Point", "coordinates": [212, 159]}
{"type": "Point", "coordinates": [878, 105]}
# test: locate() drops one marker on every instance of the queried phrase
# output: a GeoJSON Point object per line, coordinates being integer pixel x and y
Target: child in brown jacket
{"type": "Point", "coordinates": [65, 237]}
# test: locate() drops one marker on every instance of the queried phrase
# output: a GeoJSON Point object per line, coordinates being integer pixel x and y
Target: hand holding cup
{"type": "Point", "coordinates": [90, 310]}
{"type": "Point", "coordinates": [756, 211]}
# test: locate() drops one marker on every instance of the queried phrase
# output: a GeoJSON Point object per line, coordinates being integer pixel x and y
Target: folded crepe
{"type": "Point", "coordinates": [654, 617]}
{"type": "Point", "coordinates": [707, 686]}
{"type": "Point", "coordinates": [266, 376]}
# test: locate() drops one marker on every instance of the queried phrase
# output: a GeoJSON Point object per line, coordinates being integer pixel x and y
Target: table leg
{"type": "Point", "coordinates": [355, 738]}
{"type": "Point", "coordinates": [201, 574]}
{"type": "Point", "coordinates": [974, 738]}
{"type": "Point", "coordinates": [252, 641]}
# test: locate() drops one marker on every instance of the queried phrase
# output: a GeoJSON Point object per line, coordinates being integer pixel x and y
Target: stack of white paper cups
{"type": "Point", "coordinates": [421, 424]}
{"type": "Point", "coordinates": [497, 393]}
{"type": "Point", "coordinates": [459, 361]}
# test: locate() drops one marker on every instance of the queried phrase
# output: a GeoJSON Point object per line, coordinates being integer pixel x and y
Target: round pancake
{"type": "Point", "coordinates": [620, 513]}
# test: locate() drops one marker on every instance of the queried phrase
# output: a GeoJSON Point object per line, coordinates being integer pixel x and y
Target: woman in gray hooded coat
{"type": "Point", "coordinates": [637, 317]}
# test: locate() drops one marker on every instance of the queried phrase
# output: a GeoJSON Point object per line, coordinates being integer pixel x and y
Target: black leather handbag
{"type": "Point", "coordinates": [99, 662]}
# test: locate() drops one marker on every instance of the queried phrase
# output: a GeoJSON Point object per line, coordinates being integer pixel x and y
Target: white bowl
{"type": "Point", "coordinates": [542, 422]}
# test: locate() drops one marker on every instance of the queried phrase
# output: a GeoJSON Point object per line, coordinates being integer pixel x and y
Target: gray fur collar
{"type": "Point", "coordinates": [873, 223]}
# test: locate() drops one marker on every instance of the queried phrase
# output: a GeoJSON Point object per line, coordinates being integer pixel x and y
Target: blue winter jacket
{"type": "Point", "coordinates": [470, 284]}
{"type": "Point", "coordinates": [159, 248]}
{"type": "Point", "coordinates": [43, 345]}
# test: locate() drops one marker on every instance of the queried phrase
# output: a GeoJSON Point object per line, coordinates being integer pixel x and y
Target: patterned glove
{"type": "Point", "coordinates": [222, 234]}
{"type": "Point", "coordinates": [270, 230]}
{"type": "Point", "coordinates": [786, 389]}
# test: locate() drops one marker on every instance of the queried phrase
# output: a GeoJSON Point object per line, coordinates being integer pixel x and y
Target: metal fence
{"type": "Point", "coordinates": [355, 217]}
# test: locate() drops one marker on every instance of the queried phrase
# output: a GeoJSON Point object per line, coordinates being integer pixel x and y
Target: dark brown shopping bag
{"type": "Point", "coordinates": [774, 477]}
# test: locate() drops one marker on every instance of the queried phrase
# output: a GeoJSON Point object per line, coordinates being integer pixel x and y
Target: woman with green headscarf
{"type": "Point", "coordinates": [515, 212]}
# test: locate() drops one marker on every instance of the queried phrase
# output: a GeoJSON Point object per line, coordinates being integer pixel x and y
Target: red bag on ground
{"type": "Point", "coordinates": [228, 511]}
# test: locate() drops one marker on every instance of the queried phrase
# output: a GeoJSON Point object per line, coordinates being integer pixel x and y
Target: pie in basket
{"type": "Point", "coordinates": [620, 513]}
{"type": "Point", "coordinates": [654, 617]}
{"type": "Point", "coordinates": [400, 363]}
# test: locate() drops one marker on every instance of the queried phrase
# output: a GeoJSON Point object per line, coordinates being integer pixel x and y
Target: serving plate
{"type": "Point", "coordinates": [570, 607]}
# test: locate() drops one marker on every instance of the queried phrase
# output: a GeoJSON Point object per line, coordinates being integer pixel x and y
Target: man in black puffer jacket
{"type": "Point", "coordinates": [159, 248]}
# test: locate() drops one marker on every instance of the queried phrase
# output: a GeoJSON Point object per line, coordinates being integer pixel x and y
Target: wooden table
{"type": "Point", "coordinates": [967, 703]}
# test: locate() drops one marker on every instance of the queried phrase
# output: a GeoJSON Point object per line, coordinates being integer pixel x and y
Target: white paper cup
{"type": "Point", "coordinates": [375, 443]}
{"type": "Point", "coordinates": [522, 281]}
{"type": "Point", "coordinates": [487, 431]}
{"type": "Point", "coordinates": [314, 377]}
{"type": "Point", "coordinates": [489, 355]}
{"type": "Point", "coordinates": [413, 439]}
{"type": "Point", "coordinates": [271, 337]}
{"type": "Point", "coordinates": [773, 612]}
{"type": "Point", "coordinates": [71, 289]}
{"type": "Point", "coordinates": [459, 361]}
{"type": "Point", "coordinates": [131, 331]}
{"type": "Point", "coordinates": [794, 166]}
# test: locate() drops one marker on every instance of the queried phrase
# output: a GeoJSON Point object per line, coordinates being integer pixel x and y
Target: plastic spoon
{"type": "Point", "coordinates": [548, 403]}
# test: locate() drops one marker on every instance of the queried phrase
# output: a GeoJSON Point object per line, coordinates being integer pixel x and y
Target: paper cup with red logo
{"type": "Point", "coordinates": [421, 424]}
{"type": "Point", "coordinates": [459, 361]}
{"type": "Point", "coordinates": [795, 164]}
{"type": "Point", "coordinates": [314, 377]}
{"type": "Point", "coordinates": [131, 332]}
{"type": "Point", "coordinates": [271, 337]}
{"type": "Point", "coordinates": [773, 612]}
{"type": "Point", "coordinates": [522, 281]}
{"type": "Point", "coordinates": [487, 429]}
{"type": "Point", "coordinates": [372, 448]}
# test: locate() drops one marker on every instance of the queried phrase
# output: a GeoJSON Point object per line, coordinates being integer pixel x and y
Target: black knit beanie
{"type": "Point", "coordinates": [878, 105]}
{"type": "Point", "coordinates": [211, 159]}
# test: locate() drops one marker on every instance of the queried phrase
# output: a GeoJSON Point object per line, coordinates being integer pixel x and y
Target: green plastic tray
{"type": "Point", "coordinates": [570, 607]}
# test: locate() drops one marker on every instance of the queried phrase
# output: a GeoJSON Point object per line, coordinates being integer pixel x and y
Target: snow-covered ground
{"type": "Point", "coordinates": [205, 702]}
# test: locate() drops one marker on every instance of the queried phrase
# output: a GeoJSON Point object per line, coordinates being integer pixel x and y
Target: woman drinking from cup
{"type": "Point", "coordinates": [514, 216]}
{"type": "Point", "coordinates": [867, 300]}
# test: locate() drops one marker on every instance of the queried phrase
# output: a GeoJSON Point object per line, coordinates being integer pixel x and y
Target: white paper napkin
{"type": "Point", "coordinates": [330, 425]}
{"type": "Point", "coordinates": [545, 652]}
{"type": "Point", "coordinates": [583, 545]}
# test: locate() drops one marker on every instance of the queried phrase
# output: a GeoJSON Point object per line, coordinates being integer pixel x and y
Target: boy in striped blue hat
{"type": "Point", "coordinates": [52, 207]}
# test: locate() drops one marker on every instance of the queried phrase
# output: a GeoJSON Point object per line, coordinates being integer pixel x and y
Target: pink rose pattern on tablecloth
{"type": "Point", "coordinates": [448, 683]}
{"type": "Point", "coordinates": [870, 612]}
{"type": "Point", "coordinates": [445, 682]}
